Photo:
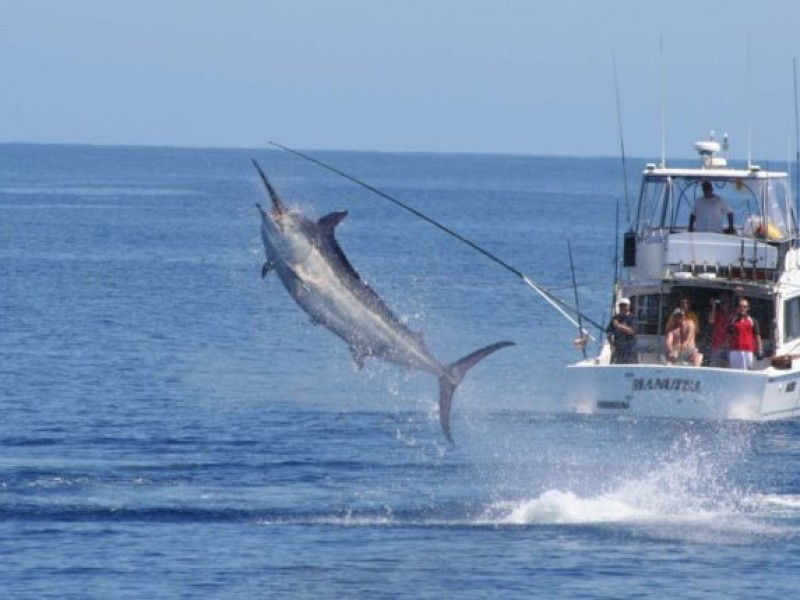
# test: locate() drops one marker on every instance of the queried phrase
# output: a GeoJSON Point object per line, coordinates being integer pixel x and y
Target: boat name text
{"type": "Point", "coordinates": [648, 384]}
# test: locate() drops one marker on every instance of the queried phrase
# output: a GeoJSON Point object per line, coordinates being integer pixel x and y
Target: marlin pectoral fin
{"type": "Point", "coordinates": [266, 268]}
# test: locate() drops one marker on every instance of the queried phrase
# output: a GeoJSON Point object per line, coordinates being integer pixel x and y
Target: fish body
{"type": "Point", "coordinates": [315, 271]}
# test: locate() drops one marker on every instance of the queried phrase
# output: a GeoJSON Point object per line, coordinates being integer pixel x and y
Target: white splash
{"type": "Point", "coordinates": [562, 507]}
{"type": "Point", "coordinates": [692, 490]}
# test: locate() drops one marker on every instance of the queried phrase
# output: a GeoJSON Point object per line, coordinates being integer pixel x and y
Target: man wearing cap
{"type": "Point", "coordinates": [680, 343]}
{"type": "Point", "coordinates": [622, 335]}
{"type": "Point", "coordinates": [709, 212]}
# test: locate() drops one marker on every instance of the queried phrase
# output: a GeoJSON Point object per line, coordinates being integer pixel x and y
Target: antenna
{"type": "Point", "coordinates": [749, 109]}
{"type": "Point", "coordinates": [663, 110]}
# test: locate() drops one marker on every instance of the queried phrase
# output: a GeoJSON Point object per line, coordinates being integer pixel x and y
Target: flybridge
{"type": "Point", "coordinates": [661, 243]}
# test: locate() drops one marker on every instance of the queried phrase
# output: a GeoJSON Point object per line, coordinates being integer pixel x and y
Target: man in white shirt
{"type": "Point", "coordinates": [709, 212]}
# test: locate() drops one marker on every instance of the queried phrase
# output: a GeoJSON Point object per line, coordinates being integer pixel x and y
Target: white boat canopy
{"type": "Point", "coordinates": [756, 197]}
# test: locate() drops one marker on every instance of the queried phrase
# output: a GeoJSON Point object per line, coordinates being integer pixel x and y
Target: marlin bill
{"type": "Point", "coordinates": [317, 274]}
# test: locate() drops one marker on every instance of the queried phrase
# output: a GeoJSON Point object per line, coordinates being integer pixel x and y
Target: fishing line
{"type": "Point", "coordinates": [561, 306]}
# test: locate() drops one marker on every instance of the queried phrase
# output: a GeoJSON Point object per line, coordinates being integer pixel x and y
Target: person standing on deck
{"type": "Point", "coordinates": [744, 338]}
{"type": "Point", "coordinates": [622, 335]}
{"type": "Point", "coordinates": [720, 319]}
{"type": "Point", "coordinates": [709, 212]}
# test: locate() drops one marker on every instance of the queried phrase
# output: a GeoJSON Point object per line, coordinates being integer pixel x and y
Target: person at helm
{"type": "Point", "coordinates": [709, 212]}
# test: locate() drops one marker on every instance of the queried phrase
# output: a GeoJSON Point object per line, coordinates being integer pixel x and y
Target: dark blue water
{"type": "Point", "coordinates": [175, 427]}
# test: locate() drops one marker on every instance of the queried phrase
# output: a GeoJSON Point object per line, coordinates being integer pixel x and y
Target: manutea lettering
{"type": "Point", "coordinates": [651, 384]}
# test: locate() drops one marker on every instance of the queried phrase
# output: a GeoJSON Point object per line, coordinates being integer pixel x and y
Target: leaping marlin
{"type": "Point", "coordinates": [317, 274]}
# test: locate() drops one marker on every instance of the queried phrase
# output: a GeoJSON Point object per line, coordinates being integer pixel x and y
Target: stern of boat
{"type": "Point", "coordinates": [683, 392]}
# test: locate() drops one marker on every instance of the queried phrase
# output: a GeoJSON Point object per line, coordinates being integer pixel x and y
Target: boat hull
{"type": "Point", "coordinates": [684, 392]}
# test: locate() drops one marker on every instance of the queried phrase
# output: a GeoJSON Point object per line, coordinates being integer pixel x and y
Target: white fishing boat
{"type": "Point", "coordinates": [664, 261]}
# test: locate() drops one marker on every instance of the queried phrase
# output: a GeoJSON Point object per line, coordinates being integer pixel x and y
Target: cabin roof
{"type": "Point", "coordinates": [651, 171]}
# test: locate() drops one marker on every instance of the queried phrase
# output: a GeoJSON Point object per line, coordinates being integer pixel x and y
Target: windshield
{"type": "Point", "coordinates": [762, 207]}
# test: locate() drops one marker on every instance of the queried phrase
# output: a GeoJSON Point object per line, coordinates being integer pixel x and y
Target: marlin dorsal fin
{"type": "Point", "coordinates": [329, 222]}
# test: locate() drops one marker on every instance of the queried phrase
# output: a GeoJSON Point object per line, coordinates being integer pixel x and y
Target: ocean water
{"type": "Point", "coordinates": [175, 427]}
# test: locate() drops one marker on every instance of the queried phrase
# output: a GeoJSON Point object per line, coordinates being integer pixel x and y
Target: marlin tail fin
{"type": "Point", "coordinates": [454, 375]}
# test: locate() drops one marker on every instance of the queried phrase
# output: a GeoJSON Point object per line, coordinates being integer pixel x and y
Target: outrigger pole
{"type": "Point", "coordinates": [561, 306]}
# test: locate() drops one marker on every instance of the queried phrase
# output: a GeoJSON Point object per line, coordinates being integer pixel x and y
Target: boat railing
{"type": "Point", "coordinates": [650, 351]}
{"type": "Point", "coordinates": [682, 254]}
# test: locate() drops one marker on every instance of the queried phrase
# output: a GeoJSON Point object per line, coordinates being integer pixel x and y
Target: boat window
{"type": "Point", "coordinates": [666, 203]}
{"type": "Point", "coordinates": [653, 204]}
{"type": "Point", "coordinates": [791, 319]}
{"type": "Point", "coordinates": [647, 312]}
{"type": "Point", "coordinates": [759, 201]}
{"type": "Point", "coordinates": [778, 209]}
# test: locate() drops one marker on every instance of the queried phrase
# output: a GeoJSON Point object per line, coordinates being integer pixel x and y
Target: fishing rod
{"type": "Point", "coordinates": [617, 266]}
{"type": "Point", "coordinates": [621, 138]}
{"type": "Point", "coordinates": [581, 341]}
{"type": "Point", "coordinates": [561, 306]}
{"type": "Point", "coordinates": [797, 147]}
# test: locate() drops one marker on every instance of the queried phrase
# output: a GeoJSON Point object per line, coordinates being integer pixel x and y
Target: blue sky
{"type": "Point", "coordinates": [500, 76]}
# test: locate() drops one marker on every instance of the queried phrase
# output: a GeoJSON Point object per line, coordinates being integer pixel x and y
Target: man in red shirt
{"type": "Point", "coordinates": [745, 339]}
{"type": "Point", "coordinates": [720, 319]}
